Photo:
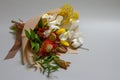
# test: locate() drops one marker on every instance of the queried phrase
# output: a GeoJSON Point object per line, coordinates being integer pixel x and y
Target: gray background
{"type": "Point", "coordinates": [99, 23]}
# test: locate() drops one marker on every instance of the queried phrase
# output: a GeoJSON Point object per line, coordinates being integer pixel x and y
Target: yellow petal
{"type": "Point", "coordinates": [75, 16]}
{"type": "Point", "coordinates": [64, 43]}
{"type": "Point", "coordinates": [60, 31]}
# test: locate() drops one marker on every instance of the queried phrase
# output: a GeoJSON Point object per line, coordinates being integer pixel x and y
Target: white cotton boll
{"type": "Point", "coordinates": [74, 40]}
{"type": "Point", "coordinates": [47, 33]}
{"type": "Point", "coordinates": [81, 40]}
{"type": "Point", "coordinates": [75, 44]}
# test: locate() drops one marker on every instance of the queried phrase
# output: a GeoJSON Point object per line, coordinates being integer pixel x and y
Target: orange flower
{"type": "Point", "coordinates": [47, 47]}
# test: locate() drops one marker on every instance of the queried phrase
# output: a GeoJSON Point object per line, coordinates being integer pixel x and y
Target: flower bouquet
{"type": "Point", "coordinates": [46, 37]}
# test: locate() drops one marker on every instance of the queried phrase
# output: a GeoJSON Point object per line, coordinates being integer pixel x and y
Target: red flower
{"type": "Point", "coordinates": [40, 33]}
{"type": "Point", "coordinates": [47, 47]}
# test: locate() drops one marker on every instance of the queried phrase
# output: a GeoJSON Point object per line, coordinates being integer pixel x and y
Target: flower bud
{"type": "Point", "coordinates": [60, 31]}
{"type": "Point", "coordinates": [64, 43]}
{"type": "Point", "coordinates": [52, 36]}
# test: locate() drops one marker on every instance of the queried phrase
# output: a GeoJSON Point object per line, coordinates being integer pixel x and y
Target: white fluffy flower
{"type": "Point", "coordinates": [47, 33]}
{"type": "Point", "coordinates": [54, 27]}
{"type": "Point", "coordinates": [75, 44]}
{"type": "Point", "coordinates": [49, 17]}
{"type": "Point", "coordinates": [63, 36]}
{"type": "Point", "coordinates": [70, 34]}
{"type": "Point", "coordinates": [52, 22]}
{"type": "Point", "coordinates": [81, 40]}
{"type": "Point", "coordinates": [45, 16]}
{"type": "Point", "coordinates": [57, 21]}
{"type": "Point", "coordinates": [77, 41]}
{"type": "Point", "coordinates": [74, 25]}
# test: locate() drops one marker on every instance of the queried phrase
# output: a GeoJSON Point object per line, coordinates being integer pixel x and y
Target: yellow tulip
{"type": "Point", "coordinates": [64, 43]}
{"type": "Point", "coordinates": [60, 31]}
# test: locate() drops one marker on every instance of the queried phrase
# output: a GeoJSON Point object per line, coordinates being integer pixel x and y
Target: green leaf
{"type": "Point", "coordinates": [36, 58]}
{"type": "Point", "coordinates": [13, 28]}
{"type": "Point", "coordinates": [27, 34]}
{"type": "Point", "coordinates": [56, 58]}
{"type": "Point", "coordinates": [40, 23]}
{"type": "Point", "coordinates": [32, 44]}
{"type": "Point", "coordinates": [48, 60]}
{"type": "Point", "coordinates": [37, 38]}
{"type": "Point", "coordinates": [54, 68]}
{"type": "Point", "coordinates": [36, 48]}
{"type": "Point", "coordinates": [32, 34]}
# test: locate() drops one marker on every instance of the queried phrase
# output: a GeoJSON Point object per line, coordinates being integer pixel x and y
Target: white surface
{"type": "Point", "coordinates": [100, 24]}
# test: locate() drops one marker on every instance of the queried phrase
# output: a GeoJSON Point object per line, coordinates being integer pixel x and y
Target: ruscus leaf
{"type": "Point", "coordinates": [27, 34]}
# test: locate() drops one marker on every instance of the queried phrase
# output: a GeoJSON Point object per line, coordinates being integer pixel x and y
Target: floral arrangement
{"type": "Point", "coordinates": [54, 34]}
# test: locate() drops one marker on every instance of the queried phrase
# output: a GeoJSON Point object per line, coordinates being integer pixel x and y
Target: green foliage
{"type": "Point", "coordinates": [40, 23]}
{"type": "Point", "coordinates": [34, 39]}
{"type": "Point", "coordinates": [35, 46]}
{"type": "Point", "coordinates": [32, 34]}
{"type": "Point", "coordinates": [13, 28]}
{"type": "Point", "coordinates": [27, 34]}
{"type": "Point", "coordinates": [48, 63]}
